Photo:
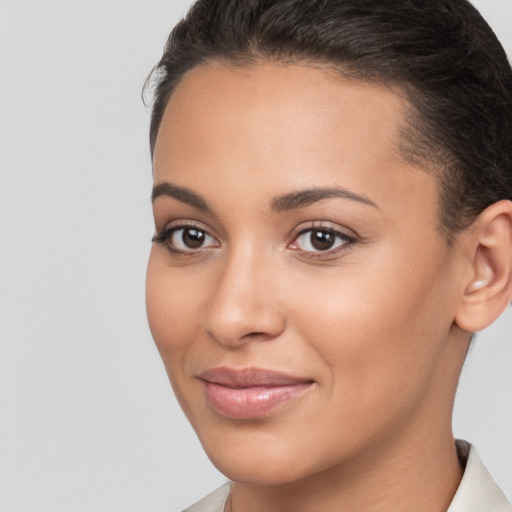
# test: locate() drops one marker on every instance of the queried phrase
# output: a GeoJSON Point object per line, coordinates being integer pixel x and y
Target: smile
{"type": "Point", "coordinates": [250, 393]}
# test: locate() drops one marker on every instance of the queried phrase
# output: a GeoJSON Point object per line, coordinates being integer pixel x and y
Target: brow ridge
{"type": "Point", "coordinates": [283, 203]}
{"type": "Point", "coordinates": [182, 194]}
{"type": "Point", "coordinates": [303, 198]}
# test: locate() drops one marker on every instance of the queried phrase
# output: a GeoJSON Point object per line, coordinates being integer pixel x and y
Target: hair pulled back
{"type": "Point", "coordinates": [440, 53]}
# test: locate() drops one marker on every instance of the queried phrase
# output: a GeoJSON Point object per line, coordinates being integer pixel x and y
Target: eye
{"type": "Point", "coordinates": [320, 240]}
{"type": "Point", "coordinates": [186, 239]}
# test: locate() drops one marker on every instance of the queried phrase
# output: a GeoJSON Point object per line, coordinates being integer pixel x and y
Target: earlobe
{"type": "Point", "coordinates": [489, 288]}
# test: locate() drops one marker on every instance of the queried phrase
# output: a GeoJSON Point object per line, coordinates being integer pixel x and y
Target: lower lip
{"type": "Point", "coordinates": [251, 402]}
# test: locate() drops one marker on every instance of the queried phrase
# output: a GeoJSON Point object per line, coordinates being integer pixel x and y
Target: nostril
{"type": "Point", "coordinates": [226, 338]}
{"type": "Point", "coordinates": [238, 331]}
{"type": "Point", "coordinates": [256, 336]}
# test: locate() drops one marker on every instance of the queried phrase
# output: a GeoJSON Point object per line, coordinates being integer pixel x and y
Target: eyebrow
{"type": "Point", "coordinates": [307, 197]}
{"type": "Point", "coordinates": [286, 202]}
{"type": "Point", "coordinates": [182, 194]}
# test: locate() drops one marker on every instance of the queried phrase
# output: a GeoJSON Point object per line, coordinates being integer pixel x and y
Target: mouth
{"type": "Point", "coordinates": [250, 393]}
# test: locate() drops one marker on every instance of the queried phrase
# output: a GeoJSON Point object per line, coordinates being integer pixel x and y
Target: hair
{"type": "Point", "coordinates": [441, 54]}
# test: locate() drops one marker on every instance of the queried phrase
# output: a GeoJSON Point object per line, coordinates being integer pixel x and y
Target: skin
{"type": "Point", "coordinates": [381, 325]}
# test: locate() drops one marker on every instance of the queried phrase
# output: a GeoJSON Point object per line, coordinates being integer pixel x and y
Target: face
{"type": "Point", "coordinates": [299, 290]}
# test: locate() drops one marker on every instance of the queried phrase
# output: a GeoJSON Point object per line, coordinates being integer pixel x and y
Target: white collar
{"type": "Point", "coordinates": [477, 491]}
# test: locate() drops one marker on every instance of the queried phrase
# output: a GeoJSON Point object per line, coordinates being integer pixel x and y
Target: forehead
{"type": "Point", "coordinates": [288, 100]}
{"type": "Point", "coordinates": [288, 126]}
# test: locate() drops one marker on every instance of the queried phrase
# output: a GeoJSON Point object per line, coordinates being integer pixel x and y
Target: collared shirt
{"type": "Point", "coordinates": [477, 491]}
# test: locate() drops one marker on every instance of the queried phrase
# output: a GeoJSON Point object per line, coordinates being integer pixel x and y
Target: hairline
{"type": "Point", "coordinates": [414, 146]}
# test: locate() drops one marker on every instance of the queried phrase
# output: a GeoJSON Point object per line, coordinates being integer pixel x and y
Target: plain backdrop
{"type": "Point", "coordinates": [87, 418]}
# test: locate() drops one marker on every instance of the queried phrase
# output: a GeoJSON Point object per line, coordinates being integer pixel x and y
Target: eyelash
{"type": "Point", "coordinates": [165, 236]}
{"type": "Point", "coordinates": [347, 241]}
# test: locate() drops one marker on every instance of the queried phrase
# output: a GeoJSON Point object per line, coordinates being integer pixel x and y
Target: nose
{"type": "Point", "coordinates": [244, 305]}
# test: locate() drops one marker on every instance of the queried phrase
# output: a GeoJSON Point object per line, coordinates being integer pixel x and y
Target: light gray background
{"type": "Point", "coordinates": [87, 420]}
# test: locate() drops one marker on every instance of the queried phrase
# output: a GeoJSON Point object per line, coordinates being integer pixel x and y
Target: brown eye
{"type": "Point", "coordinates": [320, 240]}
{"type": "Point", "coordinates": [186, 239]}
{"type": "Point", "coordinates": [192, 238]}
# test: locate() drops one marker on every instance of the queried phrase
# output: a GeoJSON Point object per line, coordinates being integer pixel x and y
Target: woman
{"type": "Point", "coordinates": [333, 209]}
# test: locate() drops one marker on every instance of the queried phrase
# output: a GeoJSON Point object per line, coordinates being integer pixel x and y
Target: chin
{"type": "Point", "coordinates": [266, 471]}
{"type": "Point", "coordinates": [258, 460]}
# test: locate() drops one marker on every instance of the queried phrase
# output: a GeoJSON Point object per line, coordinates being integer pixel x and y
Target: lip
{"type": "Point", "coordinates": [249, 393]}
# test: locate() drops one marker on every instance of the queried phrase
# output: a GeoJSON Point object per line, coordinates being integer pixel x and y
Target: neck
{"type": "Point", "coordinates": [421, 475]}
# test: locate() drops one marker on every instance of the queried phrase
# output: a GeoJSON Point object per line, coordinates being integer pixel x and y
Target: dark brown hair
{"type": "Point", "coordinates": [440, 53]}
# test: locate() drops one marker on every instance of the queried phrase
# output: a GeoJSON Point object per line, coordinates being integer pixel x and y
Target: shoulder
{"type": "Point", "coordinates": [477, 491]}
{"type": "Point", "coordinates": [214, 502]}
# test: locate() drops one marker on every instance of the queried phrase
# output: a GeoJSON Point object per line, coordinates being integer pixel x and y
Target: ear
{"type": "Point", "coordinates": [488, 289]}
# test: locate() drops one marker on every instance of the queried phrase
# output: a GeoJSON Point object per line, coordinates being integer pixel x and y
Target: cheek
{"type": "Point", "coordinates": [171, 303]}
{"type": "Point", "coordinates": [379, 327]}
